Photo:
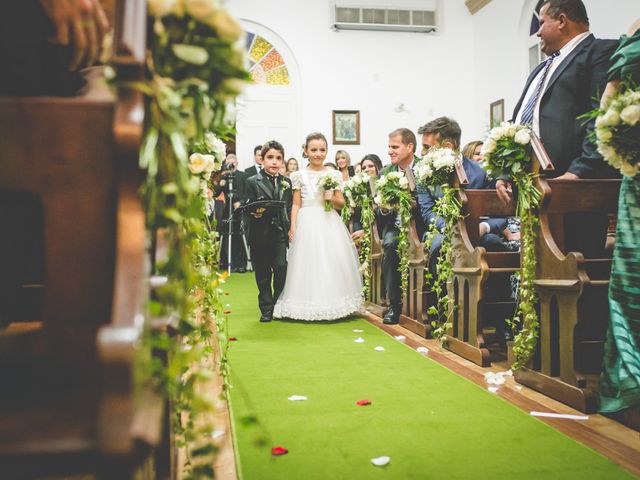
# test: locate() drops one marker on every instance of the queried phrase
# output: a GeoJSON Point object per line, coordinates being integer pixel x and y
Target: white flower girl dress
{"type": "Point", "coordinates": [323, 275]}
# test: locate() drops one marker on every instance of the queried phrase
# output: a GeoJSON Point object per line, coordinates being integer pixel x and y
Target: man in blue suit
{"type": "Point", "coordinates": [445, 132]}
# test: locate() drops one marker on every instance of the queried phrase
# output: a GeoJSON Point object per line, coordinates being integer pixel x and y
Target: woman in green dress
{"type": "Point", "coordinates": [620, 380]}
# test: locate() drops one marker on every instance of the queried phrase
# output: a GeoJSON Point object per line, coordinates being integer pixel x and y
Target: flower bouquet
{"type": "Point", "coordinates": [507, 152]}
{"type": "Point", "coordinates": [357, 194]}
{"type": "Point", "coordinates": [618, 131]}
{"type": "Point", "coordinates": [393, 194]}
{"type": "Point", "coordinates": [328, 182]}
{"type": "Point", "coordinates": [436, 169]}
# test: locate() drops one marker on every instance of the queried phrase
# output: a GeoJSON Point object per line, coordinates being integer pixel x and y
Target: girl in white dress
{"type": "Point", "coordinates": [323, 275]}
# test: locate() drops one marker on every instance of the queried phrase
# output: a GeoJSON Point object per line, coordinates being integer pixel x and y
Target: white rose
{"type": "Point", "coordinates": [197, 163]}
{"type": "Point", "coordinates": [378, 199]}
{"type": "Point", "coordinates": [404, 183]}
{"type": "Point", "coordinates": [382, 182]}
{"type": "Point", "coordinates": [489, 146]}
{"type": "Point", "coordinates": [161, 8]}
{"type": "Point", "coordinates": [511, 130]}
{"type": "Point", "coordinates": [210, 163]}
{"type": "Point", "coordinates": [201, 9]}
{"type": "Point", "coordinates": [604, 135]}
{"type": "Point", "coordinates": [629, 170]}
{"type": "Point", "coordinates": [522, 137]}
{"type": "Point", "coordinates": [631, 115]}
{"type": "Point", "coordinates": [609, 119]}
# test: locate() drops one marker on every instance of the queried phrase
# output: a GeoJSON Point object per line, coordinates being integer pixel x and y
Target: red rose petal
{"type": "Point", "coordinates": [232, 339]}
{"type": "Point", "coordinates": [362, 403]}
{"type": "Point", "coordinates": [279, 451]}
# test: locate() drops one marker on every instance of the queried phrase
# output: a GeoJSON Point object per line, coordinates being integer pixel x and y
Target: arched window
{"type": "Point", "coordinates": [266, 65]}
{"type": "Point", "coordinates": [535, 54]}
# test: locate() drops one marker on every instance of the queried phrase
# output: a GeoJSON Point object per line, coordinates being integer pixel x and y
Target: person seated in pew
{"type": "Point", "coordinates": [372, 165]}
{"type": "Point", "coordinates": [402, 147]}
{"type": "Point", "coordinates": [440, 133]}
{"type": "Point", "coordinates": [561, 89]}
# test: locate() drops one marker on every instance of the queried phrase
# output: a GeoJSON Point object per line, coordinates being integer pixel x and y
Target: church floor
{"type": "Point", "coordinates": [431, 422]}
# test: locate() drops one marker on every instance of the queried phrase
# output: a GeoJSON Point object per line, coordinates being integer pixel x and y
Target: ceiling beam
{"type": "Point", "coordinates": [475, 5]}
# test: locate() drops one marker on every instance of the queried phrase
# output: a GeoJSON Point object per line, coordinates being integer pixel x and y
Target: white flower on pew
{"type": "Point", "coordinates": [495, 378]}
{"type": "Point", "coordinates": [436, 166]}
{"type": "Point", "coordinates": [522, 137]}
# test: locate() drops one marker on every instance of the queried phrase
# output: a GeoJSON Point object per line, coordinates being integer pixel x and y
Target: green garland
{"type": "Point", "coordinates": [507, 152]}
{"type": "Point", "coordinates": [448, 208]}
{"type": "Point", "coordinates": [367, 218]}
{"type": "Point", "coordinates": [524, 343]}
{"type": "Point", "coordinates": [195, 70]}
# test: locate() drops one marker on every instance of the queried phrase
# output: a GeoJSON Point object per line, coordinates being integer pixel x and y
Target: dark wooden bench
{"type": "Point", "coordinates": [573, 292]}
{"type": "Point", "coordinates": [68, 404]}
{"type": "Point", "coordinates": [475, 304]}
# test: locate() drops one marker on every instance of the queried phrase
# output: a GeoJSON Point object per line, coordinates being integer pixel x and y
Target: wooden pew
{"type": "Point", "coordinates": [416, 299]}
{"type": "Point", "coordinates": [68, 405]}
{"type": "Point", "coordinates": [573, 292]}
{"type": "Point", "coordinates": [474, 269]}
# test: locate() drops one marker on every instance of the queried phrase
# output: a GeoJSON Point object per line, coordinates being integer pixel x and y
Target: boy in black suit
{"type": "Point", "coordinates": [268, 229]}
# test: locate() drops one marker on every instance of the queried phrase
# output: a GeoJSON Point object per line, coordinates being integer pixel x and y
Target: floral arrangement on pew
{"type": "Point", "coordinates": [507, 152]}
{"type": "Point", "coordinates": [357, 194]}
{"type": "Point", "coordinates": [392, 193]}
{"type": "Point", "coordinates": [326, 183]}
{"type": "Point", "coordinates": [618, 130]}
{"type": "Point", "coordinates": [436, 170]}
{"type": "Point", "coordinates": [194, 71]}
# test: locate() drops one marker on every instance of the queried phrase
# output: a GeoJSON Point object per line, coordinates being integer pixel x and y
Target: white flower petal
{"type": "Point", "coordinates": [400, 338]}
{"type": "Point", "coordinates": [381, 461]}
{"type": "Point", "coordinates": [297, 398]}
{"type": "Point", "coordinates": [379, 349]}
{"type": "Point", "coordinates": [359, 340]}
{"type": "Point", "coordinates": [492, 389]}
{"type": "Point", "coordinates": [217, 434]}
{"type": "Point", "coordinates": [423, 350]}
{"type": "Point", "coordinates": [357, 330]}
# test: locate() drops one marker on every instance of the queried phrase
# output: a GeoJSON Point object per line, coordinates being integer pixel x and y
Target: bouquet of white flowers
{"type": "Point", "coordinates": [436, 167]}
{"type": "Point", "coordinates": [357, 193]}
{"type": "Point", "coordinates": [328, 182]}
{"type": "Point", "coordinates": [618, 131]}
{"type": "Point", "coordinates": [507, 149]}
{"type": "Point", "coordinates": [393, 194]}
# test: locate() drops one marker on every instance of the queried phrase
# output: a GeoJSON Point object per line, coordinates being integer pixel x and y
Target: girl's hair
{"type": "Point", "coordinates": [470, 148]}
{"type": "Point", "coordinates": [331, 164]}
{"type": "Point", "coordinates": [373, 158]}
{"type": "Point", "coordinates": [342, 153]}
{"type": "Point", "coordinates": [313, 136]}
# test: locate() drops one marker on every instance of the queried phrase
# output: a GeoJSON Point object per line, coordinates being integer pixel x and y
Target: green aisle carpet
{"type": "Point", "coordinates": [432, 423]}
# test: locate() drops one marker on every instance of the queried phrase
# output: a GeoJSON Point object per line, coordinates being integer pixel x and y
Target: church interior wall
{"type": "Point", "coordinates": [398, 79]}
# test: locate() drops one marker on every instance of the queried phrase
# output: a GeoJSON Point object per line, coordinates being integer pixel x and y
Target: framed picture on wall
{"type": "Point", "coordinates": [496, 113]}
{"type": "Point", "coordinates": [346, 127]}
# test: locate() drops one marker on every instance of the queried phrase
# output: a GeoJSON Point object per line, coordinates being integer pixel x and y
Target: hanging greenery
{"type": "Point", "coordinates": [435, 172]}
{"type": "Point", "coordinates": [507, 153]}
{"type": "Point", "coordinates": [194, 72]}
{"type": "Point", "coordinates": [393, 194]}
{"type": "Point", "coordinates": [357, 194]}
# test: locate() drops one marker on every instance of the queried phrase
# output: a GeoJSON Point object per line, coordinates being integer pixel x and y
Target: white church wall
{"type": "Point", "coordinates": [405, 79]}
{"type": "Point", "coordinates": [500, 32]}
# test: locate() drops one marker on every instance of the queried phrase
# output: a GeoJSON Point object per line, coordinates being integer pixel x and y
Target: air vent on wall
{"type": "Point", "coordinates": [347, 17]}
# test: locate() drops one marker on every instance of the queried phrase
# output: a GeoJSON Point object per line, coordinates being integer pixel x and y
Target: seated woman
{"type": "Point", "coordinates": [343, 162]}
{"type": "Point", "coordinates": [473, 150]}
{"type": "Point", "coordinates": [372, 165]}
{"type": "Point", "coordinates": [291, 166]}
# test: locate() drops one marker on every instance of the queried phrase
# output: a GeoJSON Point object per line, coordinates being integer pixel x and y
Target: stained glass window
{"type": "Point", "coordinates": [266, 65]}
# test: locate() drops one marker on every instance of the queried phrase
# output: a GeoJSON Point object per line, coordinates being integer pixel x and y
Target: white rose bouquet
{"type": "Point", "coordinates": [617, 131]}
{"type": "Point", "coordinates": [357, 194]}
{"type": "Point", "coordinates": [393, 194]}
{"type": "Point", "coordinates": [507, 152]}
{"type": "Point", "coordinates": [328, 182]}
{"type": "Point", "coordinates": [507, 149]}
{"type": "Point", "coordinates": [436, 167]}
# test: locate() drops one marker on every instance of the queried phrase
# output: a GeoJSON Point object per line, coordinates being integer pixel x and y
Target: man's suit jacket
{"type": "Point", "coordinates": [251, 171]}
{"type": "Point", "coordinates": [477, 178]}
{"type": "Point", "coordinates": [574, 89]}
{"type": "Point", "coordinates": [258, 187]}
